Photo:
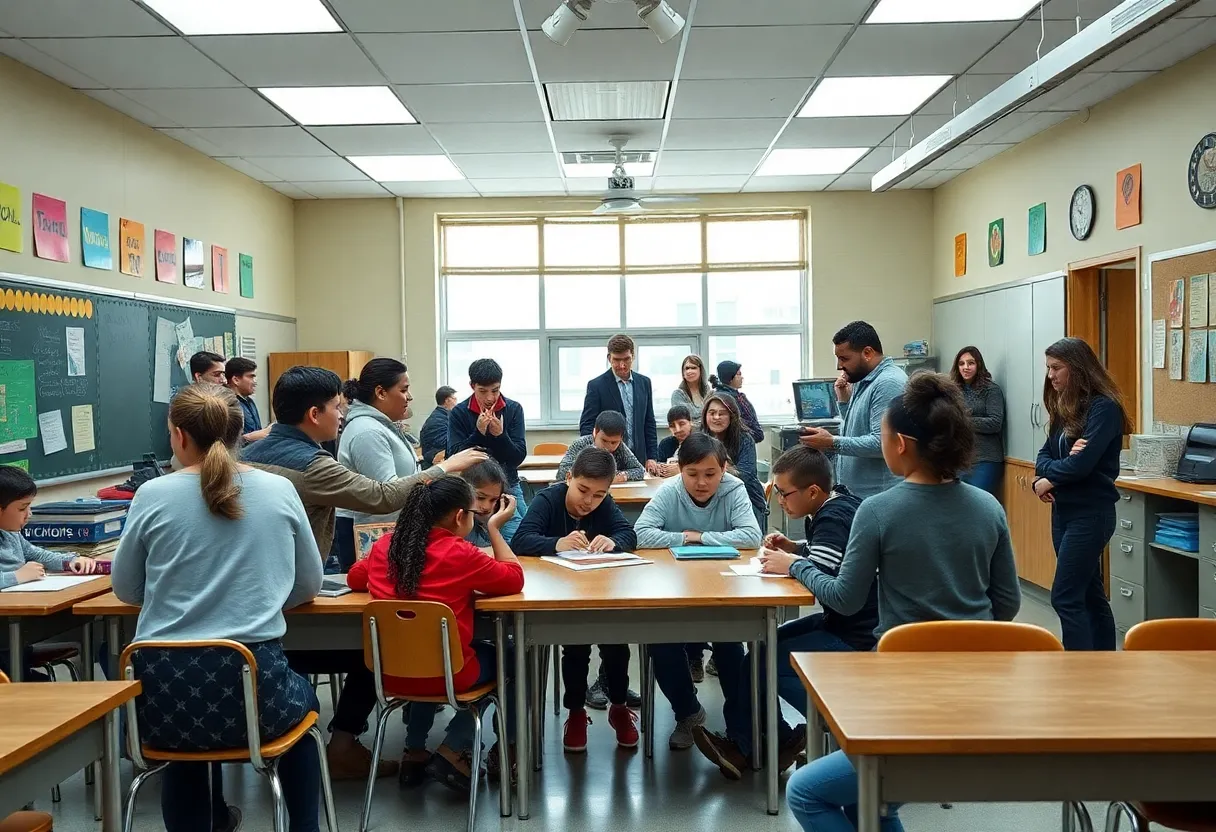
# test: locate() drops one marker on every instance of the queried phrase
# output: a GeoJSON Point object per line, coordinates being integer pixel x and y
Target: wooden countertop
{"type": "Point", "coordinates": [1170, 487]}
{"type": "Point", "coordinates": [351, 603]}
{"type": "Point", "coordinates": [1015, 703]}
{"type": "Point", "coordinates": [623, 493]}
{"type": "Point", "coordinates": [541, 461]}
{"type": "Point", "coordinates": [38, 715]}
{"type": "Point", "coordinates": [49, 603]}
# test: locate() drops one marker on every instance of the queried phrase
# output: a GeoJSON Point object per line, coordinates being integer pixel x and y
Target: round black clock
{"type": "Point", "coordinates": [1201, 173]}
{"type": "Point", "coordinates": [1081, 212]}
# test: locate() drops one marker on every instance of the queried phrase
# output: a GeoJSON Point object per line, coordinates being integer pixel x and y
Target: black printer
{"type": "Point", "coordinates": [1198, 462]}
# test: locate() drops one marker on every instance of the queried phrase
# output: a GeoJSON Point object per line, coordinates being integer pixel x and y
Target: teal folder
{"type": "Point", "coordinates": [705, 552]}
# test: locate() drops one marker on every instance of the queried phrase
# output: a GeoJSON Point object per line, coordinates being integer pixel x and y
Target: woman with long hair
{"type": "Point", "coordinates": [1076, 472]}
{"type": "Point", "coordinates": [729, 382]}
{"type": "Point", "coordinates": [694, 387]}
{"type": "Point", "coordinates": [986, 403]}
{"type": "Point", "coordinates": [720, 419]}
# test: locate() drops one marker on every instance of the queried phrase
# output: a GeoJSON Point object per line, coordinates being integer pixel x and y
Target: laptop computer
{"type": "Point", "coordinates": [815, 400]}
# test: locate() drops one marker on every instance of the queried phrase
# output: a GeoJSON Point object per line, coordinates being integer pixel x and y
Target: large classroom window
{"type": "Point", "coordinates": [542, 295]}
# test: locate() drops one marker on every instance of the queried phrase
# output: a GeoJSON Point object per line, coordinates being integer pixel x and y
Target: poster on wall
{"type": "Point", "coordinates": [192, 263]}
{"type": "Point", "coordinates": [1177, 302]}
{"type": "Point", "coordinates": [1127, 197]}
{"type": "Point", "coordinates": [1199, 301]}
{"type": "Point", "coordinates": [219, 269]}
{"type": "Point", "coordinates": [131, 251]}
{"type": "Point", "coordinates": [51, 229]}
{"type": "Point", "coordinates": [11, 237]}
{"type": "Point", "coordinates": [246, 267]}
{"type": "Point", "coordinates": [996, 242]}
{"type": "Point", "coordinates": [95, 239]}
{"type": "Point", "coordinates": [1037, 229]}
{"type": "Point", "coordinates": [960, 255]}
{"type": "Point", "coordinates": [1197, 356]}
{"type": "Point", "coordinates": [1176, 340]}
{"type": "Point", "coordinates": [166, 256]}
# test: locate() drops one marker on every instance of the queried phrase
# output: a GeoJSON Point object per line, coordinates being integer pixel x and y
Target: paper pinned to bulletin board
{"type": "Point", "coordinates": [1178, 397]}
{"type": "Point", "coordinates": [1198, 291]}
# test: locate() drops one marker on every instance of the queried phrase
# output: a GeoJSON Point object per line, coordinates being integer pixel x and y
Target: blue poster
{"type": "Point", "coordinates": [95, 239]}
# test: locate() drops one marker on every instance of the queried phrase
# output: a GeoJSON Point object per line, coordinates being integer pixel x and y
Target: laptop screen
{"type": "Point", "coordinates": [815, 398]}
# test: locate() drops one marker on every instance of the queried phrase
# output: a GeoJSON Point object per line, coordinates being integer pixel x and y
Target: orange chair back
{"type": "Point", "coordinates": [550, 449]}
{"type": "Point", "coordinates": [3, 678]}
{"type": "Point", "coordinates": [1172, 634]}
{"type": "Point", "coordinates": [411, 638]}
{"type": "Point", "coordinates": [768, 489]}
{"type": "Point", "coordinates": [968, 637]}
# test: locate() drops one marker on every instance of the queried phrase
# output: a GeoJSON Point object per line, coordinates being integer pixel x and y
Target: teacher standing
{"type": "Point", "coordinates": [986, 405]}
{"type": "Point", "coordinates": [627, 392]}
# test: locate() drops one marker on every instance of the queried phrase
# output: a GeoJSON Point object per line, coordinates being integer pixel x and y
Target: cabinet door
{"type": "Point", "coordinates": [1048, 328]}
{"type": "Point", "coordinates": [1016, 309]}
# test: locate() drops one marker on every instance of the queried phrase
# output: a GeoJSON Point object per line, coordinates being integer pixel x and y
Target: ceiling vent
{"type": "Point", "coordinates": [607, 100]}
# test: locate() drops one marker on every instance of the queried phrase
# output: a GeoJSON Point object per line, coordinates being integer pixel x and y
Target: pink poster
{"type": "Point", "coordinates": [50, 228]}
{"type": "Point", "coordinates": [166, 256]}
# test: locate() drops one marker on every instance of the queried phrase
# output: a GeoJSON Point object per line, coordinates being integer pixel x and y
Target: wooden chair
{"type": "Point", "coordinates": [768, 490]}
{"type": "Point", "coordinates": [27, 822]}
{"type": "Point", "coordinates": [420, 640]}
{"type": "Point", "coordinates": [1167, 634]}
{"type": "Point", "coordinates": [550, 449]}
{"type": "Point", "coordinates": [264, 757]}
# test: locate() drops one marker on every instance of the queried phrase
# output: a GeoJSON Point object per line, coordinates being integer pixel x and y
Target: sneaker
{"type": "Point", "coordinates": [790, 750]}
{"type": "Point", "coordinates": [355, 763]}
{"type": "Point", "coordinates": [722, 751]}
{"type": "Point", "coordinates": [711, 668]}
{"type": "Point", "coordinates": [230, 823]}
{"type": "Point", "coordinates": [451, 769]}
{"type": "Point", "coordinates": [597, 696]}
{"type": "Point", "coordinates": [625, 723]}
{"type": "Point", "coordinates": [574, 734]}
{"type": "Point", "coordinates": [681, 737]}
{"type": "Point", "coordinates": [494, 768]}
{"type": "Point", "coordinates": [413, 768]}
{"type": "Point", "coordinates": [697, 668]}
{"type": "Point", "coordinates": [633, 699]}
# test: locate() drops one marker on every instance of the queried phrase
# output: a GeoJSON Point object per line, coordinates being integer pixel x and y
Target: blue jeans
{"type": "Point", "coordinates": [803, 635]}
{"type": "Point", "coordinates": [521, 508]}
{"type": "Point", "coordinates": [823, 797]}
{"type": "Point", "coordinates": [1077, 593]}
{"type": "Point", "coordinates": [673, 677]}
{"type": "Point", "coordinates": [985, 475]}
{"type": "Point", "coordinates": [459, 735]}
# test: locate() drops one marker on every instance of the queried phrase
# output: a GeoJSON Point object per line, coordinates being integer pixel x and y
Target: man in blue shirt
{"type": "Point", "coordinates": [242, 377]}
{"type": "Point", "coordinates": [627, 392]}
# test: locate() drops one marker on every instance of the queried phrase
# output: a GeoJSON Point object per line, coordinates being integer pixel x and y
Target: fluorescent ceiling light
{"type": "Point", "coordinates": [607, 100]}
{"type": "Point", "coordinates": [811, 161]}
{"type": "Point", "coordinates": [879, 95]}
{"type": "Point", "coordinates": [604, 170]}
{"type": "Point", "coordinates": [313, 106]}
{"type": "Point", "coordinates": [245, 17]}
{"type": "Point", "coordinates": [949, 11]}
{"type": "Point", "coordinates": [407, 168]}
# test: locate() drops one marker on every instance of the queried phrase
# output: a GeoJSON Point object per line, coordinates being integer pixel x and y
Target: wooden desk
{"type": "Point", "coordinates": [49, 735]}
{"type": "Point", "coordinates": [37, 616]}
{"type": "Point", "coordinates": [667, 601]}
{"type": "Point", "coordinates": [541, 461]}
{"type": "Point", "coordinates": [988, 727]}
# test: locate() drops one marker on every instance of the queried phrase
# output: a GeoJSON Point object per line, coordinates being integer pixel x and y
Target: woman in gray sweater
{"type": "Point", "coordinates": [986, 403]}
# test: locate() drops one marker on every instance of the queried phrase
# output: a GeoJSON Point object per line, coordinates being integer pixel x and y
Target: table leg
{"type": "Point", "coordinates": [869, 804]}
{"type": "Point", "coordinates": [500, 657]}
{"type": "Point", "coordinates": [651, 703]}
{"type": "Point", "coordinates": [770, 649]}
{"type": "Point", "coordinates": [87, 673]}
{"type": "Point", "coordinates": [757, 738]}
{"type": "Point", "coordinates": [815, 740]}
{"type": "Point", "coordinates": [112, 804]}
{"type": "Point", "coordinates": [1068, 820]}
{"type": "Point", "coordinates": [535, 684]}
{"type": "Point", "coordinates": [523, 731]}
{"type": "Point", "coordinates": [16, 652]}
{"type": "Point", "coordinates": [114, 644]}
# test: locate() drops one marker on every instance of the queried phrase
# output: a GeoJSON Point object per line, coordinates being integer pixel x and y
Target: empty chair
{"type": "Point", "coordinates": [550, 449]}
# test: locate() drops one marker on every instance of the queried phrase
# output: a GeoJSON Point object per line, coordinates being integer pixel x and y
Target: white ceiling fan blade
{"type": "Point", "coordinates": [668, 200]}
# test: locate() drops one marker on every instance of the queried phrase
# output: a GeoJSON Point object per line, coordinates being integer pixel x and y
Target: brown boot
{"type": "Point", "coordinates": [353, 762]}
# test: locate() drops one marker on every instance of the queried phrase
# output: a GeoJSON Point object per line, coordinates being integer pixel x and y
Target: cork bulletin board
{"type": "Point", "coordinates": [1180, 402]}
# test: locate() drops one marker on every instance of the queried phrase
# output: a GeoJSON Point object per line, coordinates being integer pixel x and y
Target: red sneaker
{"type": "Point", "coordinates": [574, 735]}
{"type": "Point", "coordinates": [625, 723]}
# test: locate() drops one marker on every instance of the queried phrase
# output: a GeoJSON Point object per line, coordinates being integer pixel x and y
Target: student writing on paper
{"type": "Point", "coordinates": [679, 423]}
{"type": "Point", "coordinates": [426, 558]}
{"type": "Point", "coordinates": [575, 515]}
{"type": "Point", "coordinates": [20, 560]}
{"type": "Point", "coordinates": [608, 435]}
{"type": "Point", "coordinates": [218, 550]}
{"type": "Point", "coordinates": [940, 547]}
{"type": "Point", "coordinates": [702, 505]}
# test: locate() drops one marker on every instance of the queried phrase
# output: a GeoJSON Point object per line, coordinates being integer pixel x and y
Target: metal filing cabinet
{"type": "Point", "coordinates": [780, 440]}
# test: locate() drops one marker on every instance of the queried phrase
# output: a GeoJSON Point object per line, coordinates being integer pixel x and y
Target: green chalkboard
{"type": "Point", "coordinates": [93, 358]}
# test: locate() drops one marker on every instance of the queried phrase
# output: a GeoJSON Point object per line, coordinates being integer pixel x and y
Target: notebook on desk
{"type": "Point", "coordinates": [704, 552]}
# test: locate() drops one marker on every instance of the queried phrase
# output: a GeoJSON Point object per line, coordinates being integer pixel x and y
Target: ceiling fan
{"type": "Point", "coordinates": [621, 198]}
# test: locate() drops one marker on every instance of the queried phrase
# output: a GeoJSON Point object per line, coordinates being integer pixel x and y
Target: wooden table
{"type": "Point", "coordinates": [37, 616]}
{"type": "Point", "coordinates": [988, 727]}
{"type": "Point", "coordinates": [667, 601]}
{"type": "Point", "coordinates": [541, 461]}
{"type": "Point", "coordinates": [50, 732]}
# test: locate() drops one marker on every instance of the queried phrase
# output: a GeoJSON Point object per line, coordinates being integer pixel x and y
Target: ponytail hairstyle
{"type": "Point", "coordinates": [931, 411]}
{"type": "Point", "coordinates": [378, 373]}
{"type": "Point", "coordinates": [1087, 377]}
{"type": "Point", "coordinates": [425, 505]}
{"type": "Point", "coordinates": [211, 416]}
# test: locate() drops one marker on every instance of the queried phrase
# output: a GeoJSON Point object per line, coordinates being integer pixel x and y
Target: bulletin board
{"type": "Point", "coordinates": [1181, 402]}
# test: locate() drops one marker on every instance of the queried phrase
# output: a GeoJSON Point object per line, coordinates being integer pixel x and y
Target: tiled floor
{"type": "Point", "coordinates": [605, 790]}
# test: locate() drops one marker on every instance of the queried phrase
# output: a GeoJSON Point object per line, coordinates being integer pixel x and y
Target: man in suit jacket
{"type": "Point", "coordinates": [623, 390]}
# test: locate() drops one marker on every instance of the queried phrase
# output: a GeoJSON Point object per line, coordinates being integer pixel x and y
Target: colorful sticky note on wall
{"type": "Point", "coordinates": [1037, 236]}
{"type": "Point", "coordinates": [996, 242]}
{"type": "Point", "coordinates": [192, 263]}
{"type": "Point", "coordinates": [131, 255]}
{"type": "Point", "coordinates": [11, 238]}
{"type": "Point", "coordinates": [246, 266]}
{"type": "Point", "coordinates": [51, 229]}
{"type": "Point", "coordinates": [219, 269]}
{"type": "Point", "coordinates": [166, 256]}
{"type": "Point", "coordinates": [960, 255]}
{"type": "Point", "coordinates": [95, 239]}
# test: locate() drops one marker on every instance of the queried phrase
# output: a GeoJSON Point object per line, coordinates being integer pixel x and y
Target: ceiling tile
{"type": "Point", "coordinates": [1204, 8]}
{"type": "Point", "coordinates": [472, 103]}
{"type": "Point", "coordinates": [192, 139]}
{"type": "Point", "coordinates": [78, 18]}
{"type": "Point", "coordinates": [739, 98]}
{"type": "Point", "coordinates": [1183, 45]}
{"type": "Point", "coordinates": [344, 190]}
{"type": "Point", "coordinates": [715, 184]}
{"type": "Point", "coordinates": [508, 165]}
{"type": "Point", "coordinates": [785, 184]}
{"type": "Point", "coordinates": [450, 58]}
{"type": "Point", "coordinates": [292, 60]}
{"type": "Point", "coordinates": [52, 68]}
{"type": "Point", "coordinates": [1100, 88]}
{"type": "Point", "coordinates": [1017, 51]}
{"type": "Point", "coordinates": [308, 168]}
{"type": "Point", "coordinates": [377, 139]}
{"type": "Point", "coordinates": [138, 63]}
{"type": "Point", "coordinates": [941, 177]}
{"type": "Point", "coordinates": [965, 90]}
{"type": "Point", "coordinates": [852, 182]}
{"type": "Point", "coordinates": [839, 132]}
{"type": "Point", "coordinates": [1091, 10]}
{"type": "Point", "coordinates": [917, 128]}
{"type": "Point", "coordinates": [1018, 127]}
{"type": "Point", "coordinates": [262, 141]}
{"type": "Point", "coordinates": [984, 152]}
{"type": "Point", "coordinates": [288, 189]}
{"type": "Point", "coordinates": [875, 160]}
{"type": "Point", "coordinates": [210, 108]}
{"type": "Point", "coordinates": [691, 163]}
{"type": "Point", "coordinates": [778, 12]}
{"type": "Point", "coordinates": [953, 159]}
{"type": "Point", "coordinates": [118, 101]}
{"type": "Point", "coordinates": [917, 48]}
{"type": "Point", "coordinates": [520, 187]}
{"type": "Point", "coordinates": [593, 135]}
{"type": "Point", "coordinates": [425, 189]}
{"type": "Point", "coordinates": [250, 170]}
{"type": "Point", "coordinates": [493, 138]}
{"type": "Point", "coordinates": [605, 55]}
{"type": "Point", "coordinates": [722, 134]}
{"type": "Point", "coordinates": [446, 16]}
{"type": "Point", "coordinates": [760, 51]}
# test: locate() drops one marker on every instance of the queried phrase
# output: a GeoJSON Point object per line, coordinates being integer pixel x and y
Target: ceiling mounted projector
{"type": "Point", "coordinates": [569, 17]}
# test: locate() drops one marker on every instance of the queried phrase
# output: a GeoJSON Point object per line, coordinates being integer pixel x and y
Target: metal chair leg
{"type": "Point", "coordinates": [278, 802]}
{"type": "Point", "coordinates": [128, 818]}
{"type": "Point", "coordinates": [334, 687]}
{"type": "Point", "coordinates": [504, 756]}
{"type": "Point", "coordinates": [327, 790]}
{"type": "Point", "coordinates": [649, 684]}
{"type": "Point", "coordinates": [542, 688]}
{"type": "Point", "coordinates": [643, 652]}
{"type": "Point", "coordinates": [475, 769]}
{"type": "Point", "coordinates": [377, 746]}
{"type": "Point", "coordinates": [56, 796]}
{"type": "Point", "coordinates": [557, 680]}
{"type": "Point", "coordinates": [536, 689]}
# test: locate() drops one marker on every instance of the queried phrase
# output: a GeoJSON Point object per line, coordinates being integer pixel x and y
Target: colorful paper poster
{"type": "Point", "coordinates": [1159, 344]}
{"type": "Point", "coordinates": [219, 269]}
{"type": "Point", "coordinates": [1177, 302]}
{"type": "Point", "coordinates": [51, 229]}
{"type": "Point", "coordinates": [18, 417]}
{"type": "Point", "coordinates": [166, 256]}
{"type": "Point", "coordinates": [996, 242]}
{"type": "Point", "coordinates": [1037, 237]}
{"type": "Point", "coordinates": [1212, 356]}
{"type": "Point", "coordinates": [75, 339]}
{"type": "Point", "coordinates": [166, 341]}
{"type": "Point", "coordinates": [1175, 357]}
{"type": "Point", "coordinates": [50, 426]}
{"type": "Point", "coordinates": [95, 239]}
{"type": "Point", "coordinates": [185, 343]}
{"type": "Point", "coordinates": [192, 263]}
{"type": "Point", "coordinates": [11, 236]}
{"type": "Point", "coordinates": [23, 464]}
{"type": "Point", "coordinates": [1198, 290]}
{"type": "Point", "coordinates": [246, 267]}
{"type": "Point", "coordinates": [960, 255]}
{"type": "Point", "coordinates": [131, 254]}
{"type": "Point", "coordinates": [1197, 356]}
{"type": "Point", "coordinates": [82, 429]}
{"type": "Point", "coordinates": [1127, 197]}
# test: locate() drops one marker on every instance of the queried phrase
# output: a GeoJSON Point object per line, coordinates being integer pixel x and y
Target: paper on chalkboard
{"type": "Point", "coordinates": [166, 343]}
{"type": "Point", "coordinates": [50, 426]}
{"type": "Point", "coordinates": [75, 343]}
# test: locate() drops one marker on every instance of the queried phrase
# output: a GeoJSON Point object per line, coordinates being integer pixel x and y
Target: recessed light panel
{"type": "Point", "coordinates": [949, 11]}
{"type": "Point", "coordinates": [603, 170]}
{"type": "Point", "coordinates": [885, 95]}
{"type": "Point", "coordinates": [811, 161]}
{"type": "Point", "coordinates": [245, 17]}
{"type": "Point", "coordinates": [315, 106]}
{"type": "Point", "coordinates": [407, 168]}
{"type": "Point", "coordinates": [607, 100]}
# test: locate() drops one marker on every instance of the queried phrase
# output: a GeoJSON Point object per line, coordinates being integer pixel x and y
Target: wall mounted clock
{"type": "Point", "coordinates": [1201, 173]}
{"type": "Point", "coordinates": [1081, 212]}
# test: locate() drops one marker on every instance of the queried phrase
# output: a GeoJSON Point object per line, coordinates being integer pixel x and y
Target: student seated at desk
{"type": "Point", "coordinates": [574, 515]}
{"type": "Point", "coordinates": [803, 480]}
{"type": "Point", "coordinates": [607, 435]}
{"type": "Point", "coordinates": [489, 485]}
{"type": "Point", "coordinates": [720, 419]}
{"type": "Point", "coordinates": [218, 550]}
{"type": "Point", "coordinates": [426, 558]}
{"type": "Point", "coordinates": [679, 422]}
{"type": "Point", "coordinates": [941, 550]}
{"type": "Point", "coordinates": [702, 505]}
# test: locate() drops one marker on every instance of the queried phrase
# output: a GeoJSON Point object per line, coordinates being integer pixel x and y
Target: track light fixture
{"type": "Point", "coordinates": [660, 18]}
{"type": "Point", "coordinates": [568, 18]}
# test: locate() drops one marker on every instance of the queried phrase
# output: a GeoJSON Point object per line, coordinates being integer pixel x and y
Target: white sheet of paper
{"type": "Point", "coordinates": [166, 343]}
{"type": "Point", "coordinates": [75, 341]}
{"type": "Point", "coordinates": [752, 568]}
{"type": "Point", "coordinates": [631, 484]}
{"type": "Point", "coordinates": [587, 567]}
{"type": "Point", "coordinates": [14, 447]}
{"type": "Point", "coordinates": [82, 428]}
{"type": "Point", "coordinates": [50, 428]}
{"type": "Point", "coordinates": [1176, 341]}
{"type": "Point", "coordinates": [1198, 312]}
{"type": "Point", "coordinates": [52, 583]}
{"type": "Point", "coordinates": [1159, 344]}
